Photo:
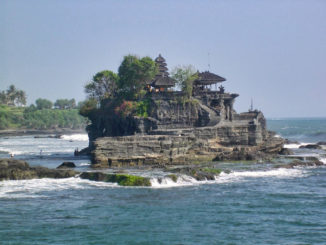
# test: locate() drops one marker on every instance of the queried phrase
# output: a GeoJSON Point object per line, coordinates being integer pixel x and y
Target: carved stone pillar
{"type": "Point", "coordinates": [222, 109]}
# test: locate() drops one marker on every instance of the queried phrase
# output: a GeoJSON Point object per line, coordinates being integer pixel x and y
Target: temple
{"type": "Point", "coordinates": [179, 129]}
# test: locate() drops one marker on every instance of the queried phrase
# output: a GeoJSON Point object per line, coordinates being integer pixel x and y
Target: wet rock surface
{"type": "Point", "coordinates": [199, 173]}
{"type": "Point", "coordinates": [66, 165]}
{"type": "Point", "coordinates": [311, 146]}
{"type": "Point", "coordinates": [286, 151]}
{"type": "Point", "coordinates": [298, 163]}
{"type": "Point", "coordinates": [12, 169]}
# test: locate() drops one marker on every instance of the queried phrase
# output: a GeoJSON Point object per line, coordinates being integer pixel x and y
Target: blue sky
{"type": "Point", "coordinates": [272, 51]}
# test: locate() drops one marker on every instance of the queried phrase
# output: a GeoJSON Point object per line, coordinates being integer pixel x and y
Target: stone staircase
{"type": "Point", "coordinates": [213, 118]}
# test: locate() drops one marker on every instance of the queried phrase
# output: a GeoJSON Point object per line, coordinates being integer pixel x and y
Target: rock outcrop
{"type": "Point", "coordinates": [12, 169]}
{"type": "Point", "coordinates": [311, 146]}
{"type": "Point", "coordinates": [66, 165]}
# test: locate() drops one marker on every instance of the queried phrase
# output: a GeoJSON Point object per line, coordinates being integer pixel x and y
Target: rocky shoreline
{"type": "Point", "coordinates": [13, 169]}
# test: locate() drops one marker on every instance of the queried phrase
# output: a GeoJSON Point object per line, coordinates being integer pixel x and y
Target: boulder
{"type": "Point", "coordinates": [311, 146]}
{"type": "Point", "coordinates": [67, 165]}
{"type": "Point", "coordinates": [199, 173]}
{"type": "Point", "coordinates": [12, 169]}
{"type": "Point", "coordinates": [287, 141]}
{"type": "Point", "coordinates": [321, 143]}
{"type": "Point", "coordinates": [286, 151]}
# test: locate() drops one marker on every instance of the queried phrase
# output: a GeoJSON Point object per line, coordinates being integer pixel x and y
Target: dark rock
{"type": "Point", "coordinates": [47, 136]}
{"type": "Point", "coordinates": [311, 146]}
{"type": "Point", "coordinates": [67, 165]}
{"type": "Point", "coordinates": [321, 143]}
{"type": "Point", "coordinates": [199, 173]}
{"type": "Point", "coordinates": [286, 151]}
{"type": "Point", "coordinates": [82, 152]}
{"type": "Point", "coordinates": [297, 163]}
{"type": "Point", "coordinates": [12, 169]}
{"type": "Point", "coordinates": [287, 141]}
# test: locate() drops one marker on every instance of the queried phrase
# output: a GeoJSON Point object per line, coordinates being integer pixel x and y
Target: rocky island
{"type": "Point", "coordinates": [153, 124]}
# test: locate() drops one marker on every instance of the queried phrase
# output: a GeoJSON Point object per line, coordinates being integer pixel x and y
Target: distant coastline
{"type": "Point", "coordinates": [57, 131]}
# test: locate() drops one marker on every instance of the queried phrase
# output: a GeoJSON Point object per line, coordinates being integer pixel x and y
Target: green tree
{"type": "Point", "coordinates": [134, 72]}
{"type": "Point", "coordinates": [185, 77]}
{"type": "Point", "coordinates": [88, 107]}
{"type": "Point", "coordinates": [43, 104]}
{"type": "Point", "coordinates": [103, 85]}
{"type": "Point", "coordinates": [13, 96]}
{"type": "Point", "coordinates": [72, 104]}
{"type": "Point", "coordinates": [61, 103]}
{"type": "Point", "coordinates": [182, 73]}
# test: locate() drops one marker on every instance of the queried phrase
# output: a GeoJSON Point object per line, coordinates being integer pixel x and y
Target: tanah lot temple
{"type": "Point", "coordinates": [204, 127]}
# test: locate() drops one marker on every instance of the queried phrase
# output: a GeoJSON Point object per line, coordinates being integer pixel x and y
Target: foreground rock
{"type": "Point", "coordinates": [199, 173]}
{"type": "Point", "coordinates": [66, 165]}
{"type": "Point", "coordinates": [286, 152]}
{"type": "Point", "coordinates": [121, 179]}
{"type": "Point", "coordinates": [12, 169]}
{"type": "Point", "coordinates": [311, 146]}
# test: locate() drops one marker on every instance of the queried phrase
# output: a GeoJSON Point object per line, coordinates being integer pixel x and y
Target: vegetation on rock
{"type": "Point", "coordinates": [120, 179]}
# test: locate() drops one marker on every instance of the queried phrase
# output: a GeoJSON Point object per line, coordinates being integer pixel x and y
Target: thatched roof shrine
{"type": "Point", "coordinates": [208, 78]}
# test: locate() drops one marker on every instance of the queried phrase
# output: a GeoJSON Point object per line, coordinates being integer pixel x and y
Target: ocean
{"type": "Point", "coordinates": [248, 203]}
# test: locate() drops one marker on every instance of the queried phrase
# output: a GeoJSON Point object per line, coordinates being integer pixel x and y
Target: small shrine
{"type": "Point", "coordinates": [205, 80]}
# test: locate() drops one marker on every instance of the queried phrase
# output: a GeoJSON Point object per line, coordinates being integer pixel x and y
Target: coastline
{"type": "Point", "coordinates": [57, 131]}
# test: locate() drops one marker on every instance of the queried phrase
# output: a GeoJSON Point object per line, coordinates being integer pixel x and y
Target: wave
{"type": "Point", "coordinates": [323, 159]}
{"type": "Point", "coordinates": [184, 180]}
{"type": "Point", "coordinates": [75, 137]}
{"type": "Point", "coordinates": [35, 188]}
{"type": "Point", "coordinates": [295, 145]}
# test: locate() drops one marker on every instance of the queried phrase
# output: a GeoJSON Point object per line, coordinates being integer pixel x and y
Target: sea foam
{"type": "Point", "coordinates": [35, 188]}
{"type": "Point", "coordinates": [75, 137]}
{"type": "Point", "coordinates": [238, 176]}
{"type": "Point", "coordinates": [295, 146]}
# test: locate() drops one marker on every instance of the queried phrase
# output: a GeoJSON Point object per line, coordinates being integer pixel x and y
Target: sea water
{"type": "Point", "coordinates": [248, 204]}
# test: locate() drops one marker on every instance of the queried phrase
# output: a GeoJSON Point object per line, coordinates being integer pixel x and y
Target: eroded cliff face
{"type": "Point", "coordinates": [182, 149]}
{"type": "Point", "coordinates": [181, 132]}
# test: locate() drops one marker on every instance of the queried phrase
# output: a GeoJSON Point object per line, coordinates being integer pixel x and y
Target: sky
{"type": "Point", "coordinates": [273, 51]}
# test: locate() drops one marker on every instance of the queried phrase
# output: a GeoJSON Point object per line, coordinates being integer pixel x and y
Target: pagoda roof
{"type": "Point", "coordinates": [160, 59]}
{"type": "Point", "coordinates": [163, 81]}
{"type": "Point", "coordinates": [208, 78]}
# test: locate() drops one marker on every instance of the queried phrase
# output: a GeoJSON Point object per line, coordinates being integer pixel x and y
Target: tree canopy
{"type": "Point", "coordinates": [134, 72]}
{"type": "Point", "coordinates": [43, 104]}
{"type": "Point", "coordinates": [103, 85]}
{"type": "Point", "coordinates": [65, 104]}
{"type": "Point", "coordinates": [185, 77]}
{"type": "Point", "coordinates": [13, 97]}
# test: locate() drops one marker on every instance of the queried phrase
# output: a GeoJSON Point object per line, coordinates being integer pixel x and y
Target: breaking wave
{"type": "Point", "coordinates": [184, 180]}
{"type": "Point", "coordinates": [35, 188]}
{"type": "Point", "coordinates": [295, 146]}
{"type": "Point", "coordinates": [75, 137]}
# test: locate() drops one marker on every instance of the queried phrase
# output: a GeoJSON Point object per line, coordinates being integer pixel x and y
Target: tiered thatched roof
{"type": "Point", "coordinates": [162, 79]}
